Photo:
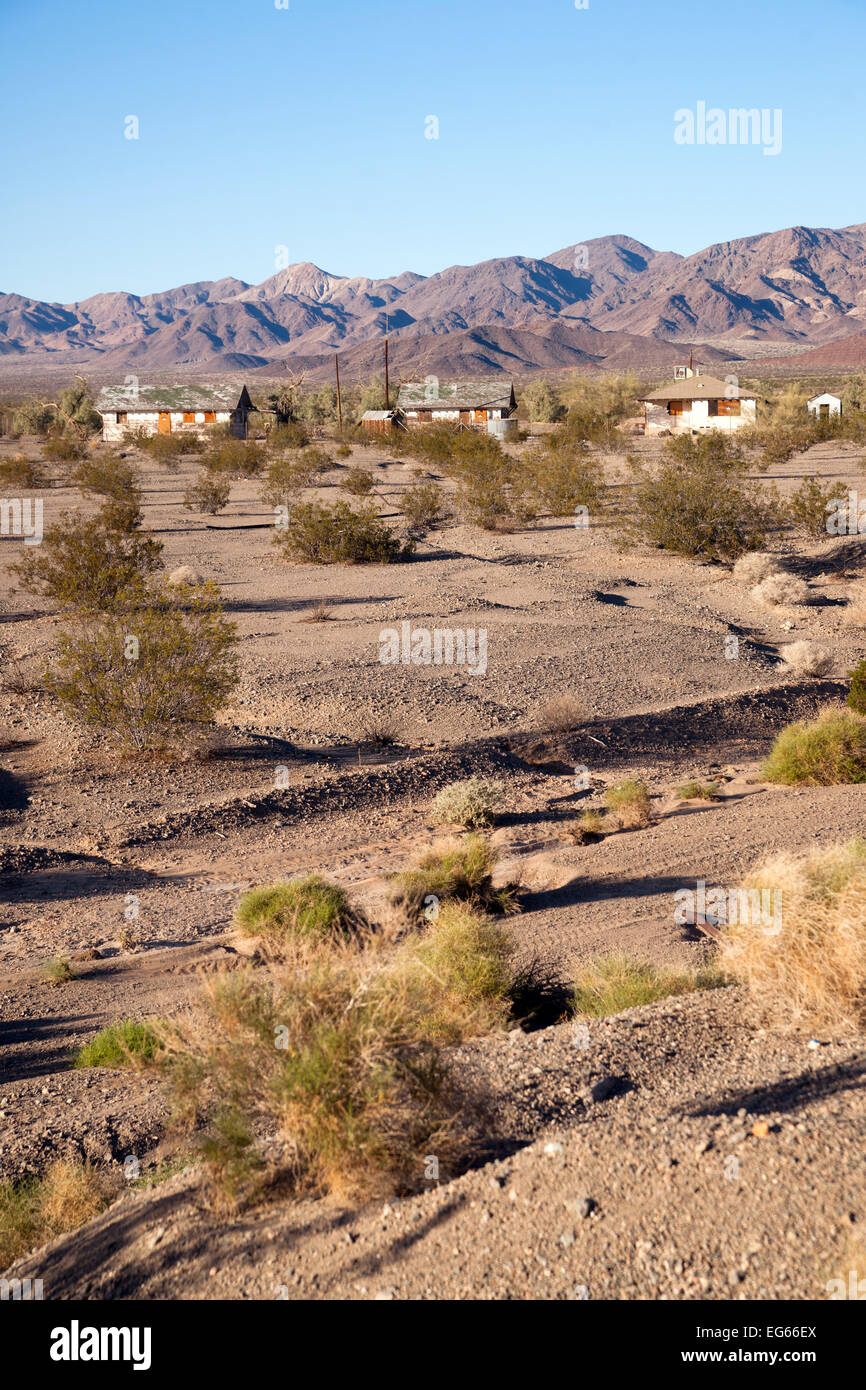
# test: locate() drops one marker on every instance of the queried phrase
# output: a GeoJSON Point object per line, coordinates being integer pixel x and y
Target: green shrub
{"type": "Point", "coordinates": [239, 458]}
{"type": "Point", "coordinates": [698, 791]}
{"type": "Point", "coordinates": [166, 449]}
{"type": "Point", "coordinates": [857, 688]}
{"type": "Point", "coordinates": [629, 805]}
{"type": "Point", "coordinates": [86, 564]}
{"type": "Point", "coordinates": [472, 803]}
{"type": "Point", "coordinates": [35, 1210]}
{"type": "Point", "coordinates": [290, 434]}
{"type": "Point", "coordinates": [333, 535]}
{"type": "Point", "coordinates": [128, 1043]}
{"type": "Point", "coordinates": [458, 974]}
{"type": "Point", "coordinates": [114, 479]}
{"type": "Point", "coordinates": [303, 907]}
{"type": "Point", "coordinates": [63, 446]}
{"type": "Point", "coordinates": [807, 508]}
{"type": "Point", "coordinates": [151, 679]}
{"type": "Point", "coordinates": [422, 505]}
{"type": "Point", "coordinates": [617, 982]}
{"type": "Point", "coordinates": [57, 971]}
{"type": "Point", "coordinates": [701, 508]}
{"type": "Point", "coordinates": [357, 481]}
{"type": "Point", "coordinates": [563, 475]}
{"type": "Point", "coordinates": [209, 494]}
{"type": "Point", "coordinates": [822, 752]}
{"type": "Point", "coordinates": [22, 472]}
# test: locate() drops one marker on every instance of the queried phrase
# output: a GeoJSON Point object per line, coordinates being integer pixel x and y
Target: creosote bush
{"type": "Point", "coordinates": [857, 689]}
{"type": "Point", "coordinates": [150, 678]}
{"type": "Point", "coordinates": [473, 803]}
{"type": "Point", "coordinates": [21, 471]}
{"type": "Point", "coordinates": [337, 534]}
{"type": "Point", "coordinates": [209, 494]}
{"type": "Point", "coordinates": [698, 791]}
{"type": "Point", "coordinates": [87, 564]}
{"type": "Point", "coordinates": [422, 505]}
{"type": "Point", "coordinates": [308, 907]}
{"type": "Point", "coordinates": [823, 752]}
{"type": "Point", "coordinates": [561, 713]}
{"type": "Point", "coordinates": [617, 982]}
{"type": "Point", "coordinates": [813, 971]}
{"type": "Point", "coordinates": [357, 481]}
{"type": "Point", "coordinates": [699, 505]}
{"type": "Point", "coordinates": [807, 508]}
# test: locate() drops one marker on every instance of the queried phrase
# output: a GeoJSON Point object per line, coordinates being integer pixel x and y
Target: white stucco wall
{"type": "Point", "coordinates": [148, 420]}
{"type": "Point", "coordinates": [698, 418]}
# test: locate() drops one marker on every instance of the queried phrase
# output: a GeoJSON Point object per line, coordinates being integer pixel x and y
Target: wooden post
{"type": "Point", "coordinates": [387, 386]}
{"type": "Point", "coordinates": [339, 397]}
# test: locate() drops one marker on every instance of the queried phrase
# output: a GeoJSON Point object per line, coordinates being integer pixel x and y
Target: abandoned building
{"type": "Point", "coordinates": [824, 406]}
{"type": "Point", "coordinates": [694, 401]}
{"type": "Point", "coordinates": [488, 404]}
{"type": "Point", "coordinates": [382, 421]}
{"type": "Point", "coordinates": [173, 409]}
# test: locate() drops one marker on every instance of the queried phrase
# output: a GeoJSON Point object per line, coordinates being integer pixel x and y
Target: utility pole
{"type": "Point", "coordinates": [387, 387]}
{"type": "Point", "coordinates": [339, 397]}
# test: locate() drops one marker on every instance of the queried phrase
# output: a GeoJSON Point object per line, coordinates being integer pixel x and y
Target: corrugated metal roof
{"type": "Point", "coordinates": [378, 415]}
{"type": "Point", "coordinates": [151, 398]}
{"type": "Point", "coordinates": [456, 395]}
{"type": "Point", "coordinates": [697, 388]}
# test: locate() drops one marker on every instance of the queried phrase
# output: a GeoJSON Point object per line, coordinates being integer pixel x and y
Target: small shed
{"type": "Point", "coordinates": [824, 406]}
{"type": "Point", "coordinates": [382, 421]}
{"type": "Point", "coordinates": [173, 409]}
{"type": "Point", "coordinates": [693, 402]}
{"type": "Point", "coordinates": [472, 403]}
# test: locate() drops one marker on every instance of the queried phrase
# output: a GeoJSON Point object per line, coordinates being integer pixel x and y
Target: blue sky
{"type": "Point", "coordinates": [304, 128]}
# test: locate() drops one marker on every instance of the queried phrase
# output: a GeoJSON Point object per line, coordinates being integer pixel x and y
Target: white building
{"type": "Point", "coordinates": [694, 401]}
{"type": "Point", "coordinates": [475, 404]}
{"type": "Point", "coordinates": [172, 409]}
{"type": "Point", "coordinates": [824, 406]}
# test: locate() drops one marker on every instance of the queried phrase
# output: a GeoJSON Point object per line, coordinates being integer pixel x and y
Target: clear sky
{"type": "Point", "coordinates": [305, 127]}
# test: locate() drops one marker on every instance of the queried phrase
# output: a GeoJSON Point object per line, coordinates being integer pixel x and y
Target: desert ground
{"type": "Point", "coordinates": [688, 1149]}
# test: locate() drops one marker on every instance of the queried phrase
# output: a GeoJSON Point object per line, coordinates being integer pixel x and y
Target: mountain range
{"type": "Point", "coordinates": [609, 302]}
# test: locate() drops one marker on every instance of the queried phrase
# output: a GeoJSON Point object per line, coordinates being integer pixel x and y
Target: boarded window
{"type": "Point", "coordinates": [189, 417]}
{"type": "Point", "coordinates": [121, 417]}
{"type": "Point", "coordinates": [210, 417]}
{"type": "Point", "coordinates": [728, 407]}
{"type": "Point", "coordinates": [676, 407]}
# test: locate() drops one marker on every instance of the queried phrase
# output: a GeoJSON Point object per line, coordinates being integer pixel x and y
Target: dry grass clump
{"type": "Point", "coordinates": [823, 752]}
{"type": "Point", "coordinates": [472, 803]}
{"type": "Point", "coordinates": [854, 614]}
{"type": "Point", "coordinates": [806, 659]}
{"type": "Point", "coordinates": [331, 1057]}
{"type": "Point", "coordinates": [814, 970]}
{"type": "Point", "coordinates": [698, 791]}
{"type": "Point", "coordinates": [781, 591]}
{"type": "Point", "coordinates": [57, 971]}
{"type": "Point", "coordinates": [616, 982]}
{"type": "Point", "coordinates": [561, 713]}
{"type": "Point", "coordinates": [308, 907]}
{"type": "Point", "coordinates": [755, 567]}
{"type": "Point", "coordinates": [461, 870]}
{"type": "Point", "coordinates": [37, 1209]}
{"type": "Point", "coordinates": [185, 574]}
{"type": "Point", "coordinates": [628, 804]}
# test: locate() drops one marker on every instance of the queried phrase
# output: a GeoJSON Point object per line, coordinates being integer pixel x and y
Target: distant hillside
{"type": "Point", "coordinates": [798, 286]}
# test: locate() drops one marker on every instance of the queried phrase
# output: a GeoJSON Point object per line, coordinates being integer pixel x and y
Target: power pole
{"type": "Point", "coordinates": [387, 387]}
{"type": "Point", "coordinates": [339, 397]}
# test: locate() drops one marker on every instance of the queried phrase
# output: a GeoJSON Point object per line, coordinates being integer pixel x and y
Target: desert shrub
{"type": "Point", "coordinates": [239, 458]}
{"type": "Point", "coordinates": [422, 505]}
{"type": "Point", "coordinates": [129, 1043]}
{"type": "Point", "coordinates": [75, 405]}
{"type": "Point", "coordinates": [857, 688]}
{"type": "Point", "coordinates": [33, 417]}
{"type": "Point", "coordinates": [36, 1209]}
{"type": "Point", "coordinates": [539, 401]}
{"type": "Point", "coordinates": [813, 970]}
{"type": "Point", "coordinates": [87, 565]}
{"type": "Point", "coordinates": [698, 791]}
{"type": "Point", "coordinates": [781, 591]}
{"type": "Point", "coordinates": [473, 803]}
{"type": "Point", "coordinates": [562, 475]}
{"type": "Point", "coordinates": [561, 713]}
{"type": "Point", "coordinates": [343, 451]}
{"type": "Point", "coordinates": [112, 478]}
{"type": "Point", "coordinates": [597, 405]}
{"type": "Point", "coordinates": [320, 612]}
{"type": "Point", "coordinates": [617, 982]}
{"type": "Point", "coordinates": [209, 494]}
{"type": "Point", "coordinates": [151, 679]}
{"type": "Point", "coordinates": [711, 451]}
{"type": "Point", "coordinates": [357, 481]}
{"type": "Point", "coordinates": [751, 569]}
{"type": "Point", "coordinates": [167, 449]}
{"type": "Point", "coordinates": [379, 731]}
{"type": "Point", "coordinates": [288, 434]}
{"type": "Point", "coordinates": [461, 870]}
{"type": "Point", "coordinates": [705, 509]}
{"type": "Point", "coordinates": [592, 822]}
{"type": "Point", "coordinates": [285, 477]}
{"type": "Point", "coordinates": [458, 973]}
{"type": "Point", "coordinates": [807, 508]}
{"type": "Point", "coordinates": [337, 534]}
{"type": "Point", "coordinates": [628, 804]}
{"type": "Point", "coordinates": [21, 471]}
{"type": "Point", "coordinates": [63, 446]}
{"type": "Point", "coordinates": [806, 659]}
{"type": "Point", "coordinates": [331, 1059]}
{"type": "Point", "coordinates": [303, 907]}
{"type": "Point", "coordinates": [821, 752]}
{"type": "Point", "coordinates": [57, 971]}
